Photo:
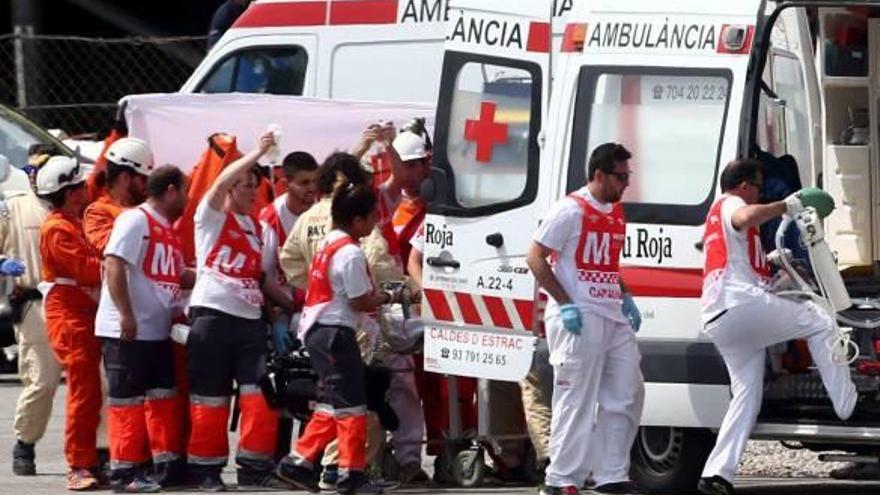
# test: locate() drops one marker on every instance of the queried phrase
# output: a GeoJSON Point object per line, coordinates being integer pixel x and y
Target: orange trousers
{"type": "Point", "coordinates": [71, 330]}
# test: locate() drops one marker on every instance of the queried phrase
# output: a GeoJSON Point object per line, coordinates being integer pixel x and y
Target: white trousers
{"type": "Point", "coordinates": [404, 399]}
{"type": "Point", "coordinates": [598, 393]}
{"type": "Point", "coordinates": [742, 336]}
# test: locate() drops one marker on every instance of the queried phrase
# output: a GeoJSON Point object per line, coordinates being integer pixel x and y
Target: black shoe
{"type": "Point", "coordinates": [211, 482]}
{"type": "Point", "coordinates": [103, 472]}
{"type": "Point", "coordinates": [23, 459]}
{"type": "Point", "coordinates": [716, 485]}
{"type": "Point", "coordinates": [171, 474]}
{"type": "Point", "coordinates": [558, 490]}
{"type": "Point", "coordinates": [265, 480]}
{"type": "Point", "coordinates": [299, 476]}
{"type": "Point", "coordinates": [618, 487]}
{"type": "Point", "coordinates": [138, 483]}
{"type": "Point", "coordinates": [356, 482]}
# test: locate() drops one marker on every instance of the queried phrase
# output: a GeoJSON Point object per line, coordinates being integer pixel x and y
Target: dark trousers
{"type": "Point", "coordinates": [342, 400]}
{"type": "Point", "coordinates": [142, 407]}
{"type": "Point", "coordinates": [223, 348]}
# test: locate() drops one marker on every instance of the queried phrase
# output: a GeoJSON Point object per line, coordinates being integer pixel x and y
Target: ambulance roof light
{"type": "Point", "coordinates": [574, 37]}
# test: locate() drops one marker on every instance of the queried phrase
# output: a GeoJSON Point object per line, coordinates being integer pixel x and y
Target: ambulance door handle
{"type": "Point", "coordinates": [439, 262]}
{"type": "Point", "coordinates": [495, 240]}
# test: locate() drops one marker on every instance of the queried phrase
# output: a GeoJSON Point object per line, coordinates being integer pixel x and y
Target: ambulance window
{"type": "Point", "coordinates": [487, 143]}
{"type": "Point", "coordinates": [671, 120]}
{"type": "Point", "coordinates": [789, 85]}
{"type": "Point", "coordinates": [221, 79]}
{"type": "Point", "coordinates": [279, 71]}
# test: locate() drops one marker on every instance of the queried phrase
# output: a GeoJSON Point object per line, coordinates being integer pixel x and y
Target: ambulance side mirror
{"type": "Point", "coordinates": [435, 188]}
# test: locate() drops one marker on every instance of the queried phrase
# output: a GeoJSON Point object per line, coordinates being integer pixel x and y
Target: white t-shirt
{"type": "Point", "coordinates": [128, 241]}
{"type": "Point", "coordinates": [740, 283]}
{"type": "Point", "coordinates": [271, 243]}
{"type": "Point", "coordinates": [349, 279]}
{"type": "Point", "coordinates": [561, 231]}
{"type": "Point", "coordinates": [213, 289]}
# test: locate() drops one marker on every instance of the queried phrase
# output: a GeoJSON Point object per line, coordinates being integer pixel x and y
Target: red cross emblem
{"type": "Point", "coordinates": [485, 131]}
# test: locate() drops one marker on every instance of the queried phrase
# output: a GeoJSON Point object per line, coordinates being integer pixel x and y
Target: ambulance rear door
{"type": "Point", "coordinates": [667, 82]}
{"type": "Point", "coordinates": [489, 189]}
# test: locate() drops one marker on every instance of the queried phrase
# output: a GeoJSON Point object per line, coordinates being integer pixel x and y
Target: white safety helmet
{"type": "Point", "coordinates": [57, 173]}
{"type": "Point", "coordinates": [132, 153]}
{"type": "Point", "coordinates": [410, 146]}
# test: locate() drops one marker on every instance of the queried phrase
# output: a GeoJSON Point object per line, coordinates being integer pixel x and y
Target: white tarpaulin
{"type": "Point", "coordinates": [177, 125]}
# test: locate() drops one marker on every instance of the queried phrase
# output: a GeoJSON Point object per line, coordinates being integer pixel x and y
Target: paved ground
{"type": "Point", "coordinates": [50, 464]}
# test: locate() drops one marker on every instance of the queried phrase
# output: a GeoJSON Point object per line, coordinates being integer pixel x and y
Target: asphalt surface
{"type": "Point", "coordinates": [51, 466]}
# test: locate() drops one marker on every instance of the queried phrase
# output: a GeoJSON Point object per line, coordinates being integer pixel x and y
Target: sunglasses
{"type": "Point", "coordinates": [621, 176]}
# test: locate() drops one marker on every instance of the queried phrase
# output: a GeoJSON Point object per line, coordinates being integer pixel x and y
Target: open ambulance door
{"type": "Point", "coordinates": [489, 190]}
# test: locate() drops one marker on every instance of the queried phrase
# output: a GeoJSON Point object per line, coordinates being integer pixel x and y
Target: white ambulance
{"type": "Point", "coordinates": [687, 86]}
{"type": "Point", "coordinates": [382, 50]}
{"type": "Point", "coordinates": [375, 50]}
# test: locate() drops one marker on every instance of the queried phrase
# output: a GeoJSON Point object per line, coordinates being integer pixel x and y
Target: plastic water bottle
{"type": "Point", "coordinates": [274, 153]}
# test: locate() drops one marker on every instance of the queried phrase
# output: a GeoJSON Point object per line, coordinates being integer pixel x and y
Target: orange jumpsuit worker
{"type": "Point", "coordinates": [71, 275]}
{"type": "Point", "coordinates": [129, 161]}
{"type": "Point", "coordinates": [227, 340]}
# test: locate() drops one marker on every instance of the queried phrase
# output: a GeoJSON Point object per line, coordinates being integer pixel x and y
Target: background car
{"type": "Point", "coordinates": [17, 135]}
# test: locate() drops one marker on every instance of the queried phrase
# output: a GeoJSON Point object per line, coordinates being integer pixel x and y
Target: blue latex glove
{"type": "Point", "coordinates": [631, 311]}
{"type": "Point", "coordinates": [571, 318]}
{"type": "Point", "coordinates": [12, 267]}
{"type": "Point", "coordinates": [282, 340]}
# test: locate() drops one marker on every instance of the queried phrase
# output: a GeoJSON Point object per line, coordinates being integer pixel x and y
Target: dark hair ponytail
{"type": "Point", "coordinates": [352, 202]}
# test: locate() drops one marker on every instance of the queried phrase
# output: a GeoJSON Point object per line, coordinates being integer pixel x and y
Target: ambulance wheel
{"type": "Point", "coordinates": [665, 458]}
{"type": "Point", "coordinates": [469, 468]}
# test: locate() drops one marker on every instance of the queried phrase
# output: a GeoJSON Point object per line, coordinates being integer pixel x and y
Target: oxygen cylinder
{"type": "Point", "coordinates": [824, 264]}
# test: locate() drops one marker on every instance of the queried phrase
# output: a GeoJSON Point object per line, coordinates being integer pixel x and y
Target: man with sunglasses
{"type": "Point", "coordinates": [71, 281]}
{"type": "Point", "coordinates": [589, 322]}
{"type": "Point", "coordinates": [129, 161]}
{"type": "Point", "coordinates": [743, 318]}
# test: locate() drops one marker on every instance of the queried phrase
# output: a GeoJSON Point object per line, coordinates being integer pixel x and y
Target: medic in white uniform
{"type": "Point", "coordinates": [227, 341]}
{"type": "Point", "coordinates": [143, 277]}
{"type": "Point", "coordinates": [742, 318]}
{"type": "Point", "coordinates": [590, 322]}
{"type": "Point", "coordinates": [340, 294]}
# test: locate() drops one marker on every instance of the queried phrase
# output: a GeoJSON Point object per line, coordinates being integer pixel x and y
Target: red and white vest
{"type": "Point", "coordinates": [725, 264]}
{"type": "Point", "coordinates": [320, 291]}
{"type": "Point", "coordinates": [163, 260]}
{"type": "Point", "coordinates": [237, 260]}
{"type": "Point", "coordinates": [271, 216]}
{"type": "Point", "coordinates": [597, 257]}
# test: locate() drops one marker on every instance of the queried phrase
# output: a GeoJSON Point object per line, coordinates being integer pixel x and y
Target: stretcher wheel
{"type": "Point", "coordinates": [469, 468]}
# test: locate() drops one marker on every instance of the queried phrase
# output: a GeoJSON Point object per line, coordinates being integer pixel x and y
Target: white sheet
{"type": "Point", "coordinates": [176, 125]}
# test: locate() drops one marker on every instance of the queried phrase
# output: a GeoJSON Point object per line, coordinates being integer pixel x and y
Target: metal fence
{"type": "Point", "coordinates": [73, 83]}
